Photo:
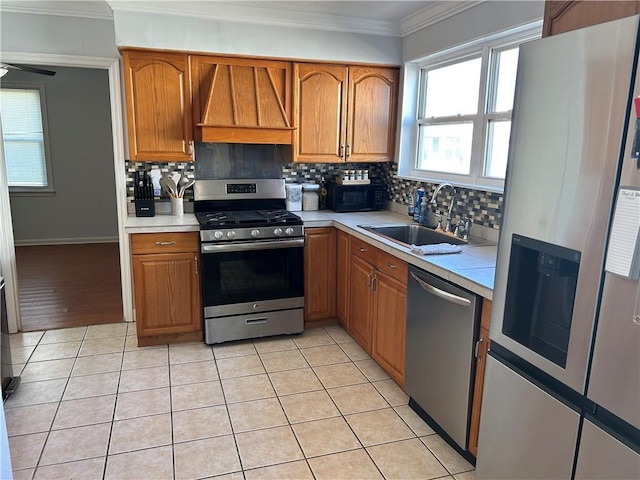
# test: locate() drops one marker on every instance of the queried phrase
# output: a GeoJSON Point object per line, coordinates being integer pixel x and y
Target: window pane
{"type": "Point", "coordinates": [453, 90]}
{"type": "Point", "coordinates": [446, 148]}
{"type": "Point", "coordinates": [23, 137]}
{"type": "Point", "coordinates": [497, 148]}
{"type": "Point", "coordinates": [506, 66]}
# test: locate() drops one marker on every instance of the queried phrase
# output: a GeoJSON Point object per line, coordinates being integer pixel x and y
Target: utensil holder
{"type": "Point", "coordinates": [145, 208]}
{"type": "Point", "coordinates": [177, 206]}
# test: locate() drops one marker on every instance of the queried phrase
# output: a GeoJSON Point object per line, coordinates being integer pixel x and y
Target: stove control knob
{"type": "Point", "coordinates": [231, 234]}
{"type": "Point", "coordinates": [255, 233]}
{"type": "Point", "coordinates": [277, 232]}
{"type": "Point", "coordinates": [289, 231]}
{"type": "Point", "coordinates": [218, 235]}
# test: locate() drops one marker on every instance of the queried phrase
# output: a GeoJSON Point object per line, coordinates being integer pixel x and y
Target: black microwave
{"type": "Point", "coordinates": [355, 198]}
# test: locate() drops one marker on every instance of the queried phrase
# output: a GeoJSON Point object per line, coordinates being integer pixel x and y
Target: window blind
{"type": "Point", "coordinates": [23, 138]}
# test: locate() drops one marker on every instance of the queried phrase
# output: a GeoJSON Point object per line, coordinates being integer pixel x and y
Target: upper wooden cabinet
{"type": "Point", "coordinates": [158, 101]}
{"type": "Point", "coordinates": [371, 122]}
{"type": "Point", "coordinates": [344, 114]}
{"type": "Point", "coordinates": [563, 16]}
{"type": "Point", "coordinates": [239, 100]}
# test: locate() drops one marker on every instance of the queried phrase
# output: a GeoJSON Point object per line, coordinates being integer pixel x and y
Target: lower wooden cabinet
{"type": "Point", "coordinates": [360, 301]}
{"type": "Point", "coordinates": [166, 282]}
{"type": "Point", "coordinates": [389, 325]}
{"type": "Point", "coordinates": [482, 347]}
{"type": "Point", "coordinates": [378, 306]}
{"type": "Point", "coordinates": [319, 274]}
{"type": "Point", "coordinates": [343, 254]}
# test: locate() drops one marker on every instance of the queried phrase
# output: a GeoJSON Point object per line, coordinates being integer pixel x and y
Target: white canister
{"type": "Point", "coordinates": [310, 197]}
{"type": "Point", "coordinates": [294, 196]}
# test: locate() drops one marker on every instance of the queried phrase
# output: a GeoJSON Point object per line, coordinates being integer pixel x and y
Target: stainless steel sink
{"type": "Point", "coordinates": [412, 234]}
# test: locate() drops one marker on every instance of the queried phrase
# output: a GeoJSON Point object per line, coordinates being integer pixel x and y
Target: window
{"type": "Point", "coordinates": [25, 139]}
{"type": "Point", "coordinates": [462, 122]}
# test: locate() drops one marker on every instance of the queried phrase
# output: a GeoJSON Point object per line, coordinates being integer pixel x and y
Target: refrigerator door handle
{"type": "Point", "coordinates": [449, 297]}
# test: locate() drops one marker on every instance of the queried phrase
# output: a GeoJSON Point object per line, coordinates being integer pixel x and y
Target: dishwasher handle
{"type": "Point", "coordinates": [449, 297]}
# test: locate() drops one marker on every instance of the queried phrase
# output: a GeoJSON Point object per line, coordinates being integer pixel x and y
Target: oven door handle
{"type": "Point", "coordinates": [242, 247]}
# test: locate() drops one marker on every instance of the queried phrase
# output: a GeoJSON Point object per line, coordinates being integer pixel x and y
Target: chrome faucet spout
{"type": "Point", "coordinates": [433, 201]}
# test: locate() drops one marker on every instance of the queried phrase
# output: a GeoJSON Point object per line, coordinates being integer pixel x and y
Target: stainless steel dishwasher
{"type": "Point", "coordinates": [441, 321]}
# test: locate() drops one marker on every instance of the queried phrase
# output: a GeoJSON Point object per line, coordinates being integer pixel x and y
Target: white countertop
{"type": "Point", "coordinates": [473, 268]}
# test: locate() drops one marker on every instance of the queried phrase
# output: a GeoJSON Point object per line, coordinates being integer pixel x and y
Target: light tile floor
{"type": "Point", "coordinates": [93, 405]}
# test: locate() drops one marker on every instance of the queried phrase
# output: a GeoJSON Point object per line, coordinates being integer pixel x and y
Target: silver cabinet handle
{"type": "Point", "coordinates": [449, 297]}
{"type": "Point", "coordinates": [362, 249]}
{"type": "Point", "coordinates": [196, 262]}
{"type": "Point", "coordinates": [374, 282]}
{"type": "Point", "coordinates": [342, 151]}
{"type": "Point", "coordinates": [391, 265]}
{"type": "Point", "coordinates": [478, 343]}
{"type": "Point", "coordinates": [164, 244]}
{"type": "Point", "coordinates": [348, 151]}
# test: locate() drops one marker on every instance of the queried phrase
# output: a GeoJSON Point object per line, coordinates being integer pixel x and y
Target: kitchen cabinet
{"type": "Point", "coordinates": [344, 113]}
{"type": "Point", "coordinates": [563, 16]}
{"type": "Point", "coordinates": [343, 253]}
{"type": "Point", "coordinates": [241, 100]}
{"type": "Point", "coordinates": [377, 306]}
{"type": "Point", "coordinates": [482, 347]}
{"type": "Point", "coordinates": [166, 282]}
{"type": "Point", "coordinates": [158, 101]}
{"type": "Point", "coordinates": [319, 274]}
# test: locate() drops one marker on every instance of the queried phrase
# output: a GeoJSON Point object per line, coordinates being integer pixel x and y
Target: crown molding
{"type": "Point", "coordinates": [433, 14]}
{"type": "Point", "coordinates": [60, 10]}
{"type": "Point", "coordinates": [228, 11]}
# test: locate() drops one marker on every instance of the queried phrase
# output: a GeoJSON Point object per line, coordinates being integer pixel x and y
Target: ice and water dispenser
{"type": "Point", "coordinates": [541, 289]}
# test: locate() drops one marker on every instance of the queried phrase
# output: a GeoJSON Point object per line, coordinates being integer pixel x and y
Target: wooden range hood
{"type": "Point", "coordinates": [241, 100]}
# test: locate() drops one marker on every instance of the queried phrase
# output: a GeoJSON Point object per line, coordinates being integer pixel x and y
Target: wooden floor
{"type": "Point", "coordinates": [69, 285]}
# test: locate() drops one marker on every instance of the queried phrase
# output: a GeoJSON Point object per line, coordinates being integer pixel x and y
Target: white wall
{"type": "Point", "coordinates": [83, 207]}
{"type": "Point", "coordinates": [480, 21]}
{"type": "Point", "coordinates": [159, 31]}
{"type": "Point", "coordinates": [20, 32]}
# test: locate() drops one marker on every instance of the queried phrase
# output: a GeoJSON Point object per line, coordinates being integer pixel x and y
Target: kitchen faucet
{"type": "Point", "coordinates": [434, 202]}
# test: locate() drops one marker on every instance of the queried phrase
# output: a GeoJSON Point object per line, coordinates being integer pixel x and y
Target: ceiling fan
{"type": "Point", "coordinates": [5, 67]}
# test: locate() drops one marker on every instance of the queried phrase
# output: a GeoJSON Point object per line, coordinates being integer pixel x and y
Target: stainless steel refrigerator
{"type": "Point", "coordinates": [562, 387]}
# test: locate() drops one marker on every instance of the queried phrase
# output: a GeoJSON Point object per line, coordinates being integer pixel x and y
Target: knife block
{"type": "Point", "coordinates": [145, 208]}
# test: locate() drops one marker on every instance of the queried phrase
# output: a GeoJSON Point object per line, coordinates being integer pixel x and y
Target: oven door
{"type": "Point", "coordinates": [252, 277]}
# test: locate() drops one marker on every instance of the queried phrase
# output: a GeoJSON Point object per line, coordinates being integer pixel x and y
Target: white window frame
{"type": "Point", "coordinates": [33, 190]}
{"type": "Point", "coordinates": [413, 102]}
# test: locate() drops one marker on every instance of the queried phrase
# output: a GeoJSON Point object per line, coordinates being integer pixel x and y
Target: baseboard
{"type": "Point", "coordinates": [64, 241]}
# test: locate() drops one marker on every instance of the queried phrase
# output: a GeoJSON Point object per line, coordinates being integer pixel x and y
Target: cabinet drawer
{"type": "Point", "coordinates": [392, 266]}
{"type": "Point", "coordinates": [363, 250]}
{"type": "Point", "coordinates": [170, 242]}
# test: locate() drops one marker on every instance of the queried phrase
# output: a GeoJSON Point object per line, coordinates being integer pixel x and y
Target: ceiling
{"type": "Point", "coordinates": [393, 18]}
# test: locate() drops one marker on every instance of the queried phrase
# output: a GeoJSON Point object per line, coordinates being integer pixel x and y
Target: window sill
{"type": "Point", "coordinates": [31, 193]}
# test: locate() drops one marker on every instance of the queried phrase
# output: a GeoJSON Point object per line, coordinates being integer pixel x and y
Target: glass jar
{"type": "Point", "coordinates": [310, 198]}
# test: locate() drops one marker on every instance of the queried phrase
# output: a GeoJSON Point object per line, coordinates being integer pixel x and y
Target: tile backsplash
{"type": "Point", "coordinates": [484, 208]}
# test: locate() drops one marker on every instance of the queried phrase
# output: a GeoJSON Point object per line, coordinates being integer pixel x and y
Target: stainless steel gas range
{"type": "Point", "coordinates": [252, 259]}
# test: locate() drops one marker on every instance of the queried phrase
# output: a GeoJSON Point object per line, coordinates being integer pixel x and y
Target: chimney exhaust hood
{"type": "Point", "coordinates": [238, 100]}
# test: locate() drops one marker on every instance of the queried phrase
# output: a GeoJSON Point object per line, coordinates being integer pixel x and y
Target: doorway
{"type": "Point", "coordinates": [67, 275]}
{"type": "Point", "coordinates": [116, 180]}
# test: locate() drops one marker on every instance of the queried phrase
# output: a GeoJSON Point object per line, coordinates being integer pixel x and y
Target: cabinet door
{"type": "Point", "coordinates": [319, 274]}
{"type": "Point", "coordinates": [167, 294]}
{"type": "Point", "coordinates": [371, 124]}
{"type": "Point", "coordinates": [342, 281]}
{"type": "Point", "coordinates": [389, 325]}
{"type": "Point", "coordinates": [158, 106]}
{"type": "Point", "coordinates": [360, 302]}
{"type": "Point", "coordinates": [564, 16]}
{"type": "Point", "coordinates": [319, 99]}
{"type": "Point", "coordinates": [482, 347]}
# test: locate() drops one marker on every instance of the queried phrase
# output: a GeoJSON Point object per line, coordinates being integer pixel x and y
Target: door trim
{"type": "Point", "coordinates": [7, 243]}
